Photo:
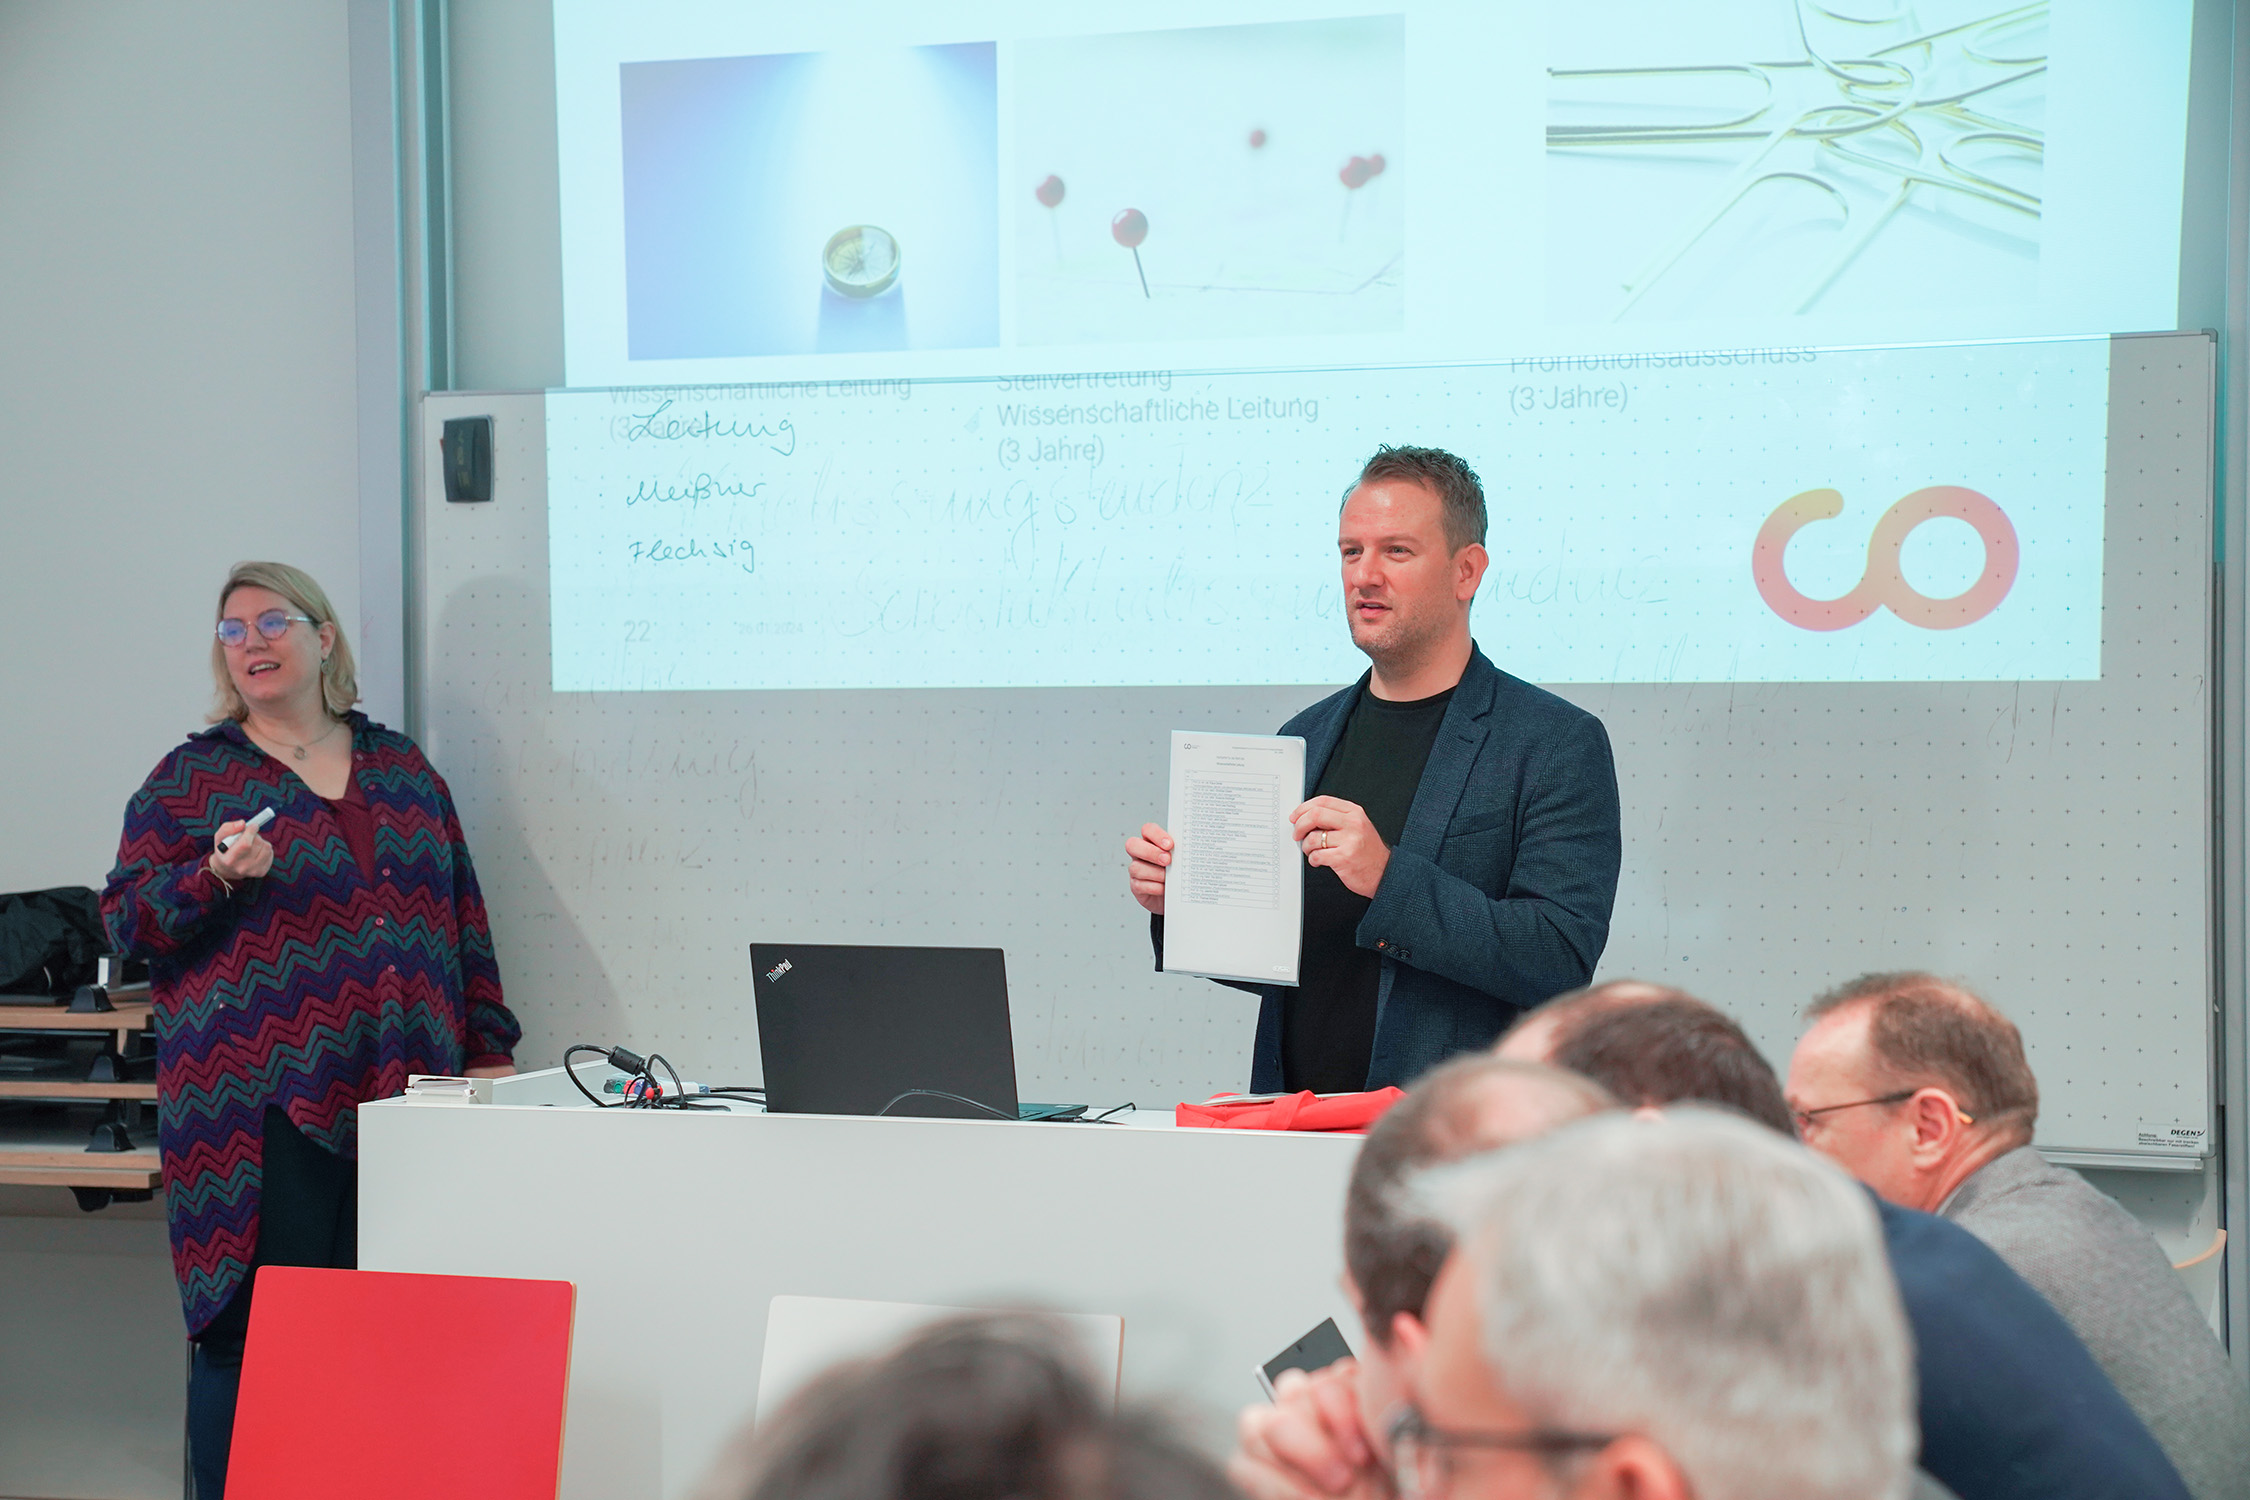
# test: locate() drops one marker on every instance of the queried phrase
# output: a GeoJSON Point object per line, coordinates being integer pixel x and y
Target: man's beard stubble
{"type": "Point", "coordinates": [1403, 641]}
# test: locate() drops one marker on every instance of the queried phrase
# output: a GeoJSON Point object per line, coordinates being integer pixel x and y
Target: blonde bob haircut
{"type": "Point", "coordinates": [339, 679]}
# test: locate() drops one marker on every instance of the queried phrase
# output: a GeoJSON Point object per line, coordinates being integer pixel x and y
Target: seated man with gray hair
{"type": "Point", "coordinates": [1679, 1308]}
{"type": "Point", "coordinates": [1922, 1091]}
{"type": "Point", "coordinates": [1328, 1433]}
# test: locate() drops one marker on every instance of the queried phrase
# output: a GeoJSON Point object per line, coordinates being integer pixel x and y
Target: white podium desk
{"type": "Point", "coordinates": [1217, 1248]}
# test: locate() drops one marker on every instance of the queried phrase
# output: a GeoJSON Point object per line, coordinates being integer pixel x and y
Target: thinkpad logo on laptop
{"type": "Point", "coordinates": [777, 971]}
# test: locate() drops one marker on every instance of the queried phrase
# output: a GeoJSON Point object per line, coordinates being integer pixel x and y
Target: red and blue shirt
{"type": "Point", "coordinates": [312, 988]}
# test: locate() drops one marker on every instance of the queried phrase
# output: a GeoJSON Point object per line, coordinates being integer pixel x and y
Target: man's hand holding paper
{"type": "Point", "coordinates": [1337, 835]}
{"type": "Point", "coordinates": [1147, 855]}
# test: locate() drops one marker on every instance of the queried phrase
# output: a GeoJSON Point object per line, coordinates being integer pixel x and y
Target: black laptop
{"type": "Point", "coordinates": [847, 1030]}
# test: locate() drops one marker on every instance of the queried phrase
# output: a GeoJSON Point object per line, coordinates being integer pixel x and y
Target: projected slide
{"type": "Point", "coordinates": [1690, 173]}
{"type": "Point", "coordinates": [1265, 198]}
{"type": "Point", "coordinates": [770, 210]}
{"type": "Point", "coordinates": [985, 188]}
{"type": "Point", "coordinates": [1793, 515]}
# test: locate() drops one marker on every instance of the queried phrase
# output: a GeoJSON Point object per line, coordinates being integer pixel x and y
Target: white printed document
{"type": "Point", "coordinates": [1234, 898]}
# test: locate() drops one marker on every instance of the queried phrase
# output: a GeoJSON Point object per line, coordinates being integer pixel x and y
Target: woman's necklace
{"type": "Point", "coordinates": [316, 739]}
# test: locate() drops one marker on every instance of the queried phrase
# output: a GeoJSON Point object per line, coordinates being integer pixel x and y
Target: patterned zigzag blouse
{"type": "Point", "coordinates": [311, 988]}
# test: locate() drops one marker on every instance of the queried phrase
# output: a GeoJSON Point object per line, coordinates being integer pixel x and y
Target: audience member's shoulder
{"type": "Point", "coordinates": [2025, 1409]}
{"type": "Point", "coordinates": [1963, 1298]}
{"type": "Point", "coordinates": [1928, 1240]}
{"type": "Point", "coordinates": [2023, 1186]}
{"type": "Point", "coordinates": [1939, 1257]}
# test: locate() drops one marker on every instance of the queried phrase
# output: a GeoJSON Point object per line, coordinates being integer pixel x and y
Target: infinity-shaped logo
{"type": "Point", "coordinates": [1883, 583]}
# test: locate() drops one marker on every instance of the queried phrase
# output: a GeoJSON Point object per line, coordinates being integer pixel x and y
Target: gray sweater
{"type": "Point", "coordinates": [2111, 1282]}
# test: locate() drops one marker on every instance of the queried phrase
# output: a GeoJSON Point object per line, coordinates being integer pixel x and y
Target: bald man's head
{"type": "Point", "coordinates": [1471, 1105]}
{"type": "Point", "coordinates": [1532, 1038]}
{"type": "Point", "coordinates": [1649, 1044]}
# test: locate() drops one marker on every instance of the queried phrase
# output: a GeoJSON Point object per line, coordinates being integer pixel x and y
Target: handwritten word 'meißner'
{"type": "Point", "coordinates": [691, 492]}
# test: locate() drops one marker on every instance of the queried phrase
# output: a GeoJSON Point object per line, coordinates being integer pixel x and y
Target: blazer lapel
{"type": "Point", "coordinates": [1321, 736]}
{"type": "Point", "coordinates": [1452, 755]}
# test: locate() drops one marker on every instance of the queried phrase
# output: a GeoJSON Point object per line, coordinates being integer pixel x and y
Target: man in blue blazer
{"type": "Point", "coordinates": [1460, 827]}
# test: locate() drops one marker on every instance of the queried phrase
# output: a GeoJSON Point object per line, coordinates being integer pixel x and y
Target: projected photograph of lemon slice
{"type": "Point", "coordinates": [860, 261]}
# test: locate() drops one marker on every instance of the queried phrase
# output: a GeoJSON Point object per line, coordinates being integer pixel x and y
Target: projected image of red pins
{"type": "Point", "coordinates": [1258, 140]}
{"type": "Point", "coordinates": [1129, 228]}
{"type": "Point", "coordinates": [1050, 194]}
{"type": "Point", "coordinates": [1354, 175]}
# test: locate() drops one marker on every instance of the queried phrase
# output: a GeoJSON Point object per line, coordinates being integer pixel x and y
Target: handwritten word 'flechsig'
{"type": "Point", "coordinates": [743, 555]}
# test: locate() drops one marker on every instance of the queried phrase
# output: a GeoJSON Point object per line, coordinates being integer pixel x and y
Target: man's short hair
{"type": "Point", "coordinates": [1669, 1049]}
{"type": "Point", "coordinates": [985, 1405]}
{"type": "Point", "coordinates": [1445, 475]}
{"type": "Point", "coordinates": [1923, 1030]}
{"type": "Point", "coordinates": [1697, 1281]}
{"type": "Point", "coordinates": [1392, 1250]}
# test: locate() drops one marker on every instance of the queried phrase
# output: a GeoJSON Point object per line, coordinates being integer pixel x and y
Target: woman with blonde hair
{"type": "Point", "coordinates": [298, 969]}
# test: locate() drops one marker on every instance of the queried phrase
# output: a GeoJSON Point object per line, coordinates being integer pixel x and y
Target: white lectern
{"type": "Point", "coordinates": [1216, 1247]}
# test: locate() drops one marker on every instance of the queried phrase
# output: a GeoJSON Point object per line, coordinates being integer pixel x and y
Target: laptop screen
{"type": "Point", "coordinates": [848, 1030]}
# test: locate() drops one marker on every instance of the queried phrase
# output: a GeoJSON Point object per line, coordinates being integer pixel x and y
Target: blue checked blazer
{"type": "Point", "coordinates": [1499, 890]}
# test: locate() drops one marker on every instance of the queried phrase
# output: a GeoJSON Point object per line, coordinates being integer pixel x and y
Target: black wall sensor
{"type": "Point", "coordinates": [468, 458]}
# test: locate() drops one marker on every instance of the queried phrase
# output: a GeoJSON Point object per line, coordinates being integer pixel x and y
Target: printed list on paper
{"type": "Point", "coordinates": [1234, 900]}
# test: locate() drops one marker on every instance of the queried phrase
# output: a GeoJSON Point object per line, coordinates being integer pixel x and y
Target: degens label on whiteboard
{"type": "Point", "coordinates": [2192, 1140]}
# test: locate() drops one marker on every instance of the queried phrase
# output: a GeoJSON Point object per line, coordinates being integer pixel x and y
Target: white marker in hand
{"type": "Point", "coordinates": [256, 823]}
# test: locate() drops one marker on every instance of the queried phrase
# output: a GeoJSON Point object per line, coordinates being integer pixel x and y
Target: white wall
{"type": "Point", "coordinates": [177, 376]}
{"type": "Point", "coordinates": [178, 390]}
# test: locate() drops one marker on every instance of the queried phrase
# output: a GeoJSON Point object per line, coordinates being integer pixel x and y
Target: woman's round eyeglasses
{"type": "Point", "coordinates": [273, 625]}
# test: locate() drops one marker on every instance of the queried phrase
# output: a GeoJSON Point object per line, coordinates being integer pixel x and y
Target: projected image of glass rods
{"type": "Point", "coordinates": [1880, 157]}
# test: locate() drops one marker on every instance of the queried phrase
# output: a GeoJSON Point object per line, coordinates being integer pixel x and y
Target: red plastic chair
{"type": "Point", "coordinates": [369, 1385]}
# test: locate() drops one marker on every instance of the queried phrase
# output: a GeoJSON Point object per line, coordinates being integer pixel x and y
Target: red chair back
{"type": "Point", "coordinates": [368, 1385]}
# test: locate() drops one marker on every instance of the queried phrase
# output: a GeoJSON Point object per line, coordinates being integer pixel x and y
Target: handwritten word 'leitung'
{"type": "Point", "coordinates": [656, 426]}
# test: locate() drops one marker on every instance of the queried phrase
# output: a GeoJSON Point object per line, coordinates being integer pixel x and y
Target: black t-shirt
{"type": "Point", "coordinates": [1328, 1021]}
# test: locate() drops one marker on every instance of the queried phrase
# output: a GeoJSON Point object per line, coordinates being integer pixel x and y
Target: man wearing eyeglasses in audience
{"type": "Point", "coordinates": [2012, 1407]}
{"type": "Point", "coordinates": [1625, 1317]}
{"type": "Point", "coordinates": [1922, 1091]}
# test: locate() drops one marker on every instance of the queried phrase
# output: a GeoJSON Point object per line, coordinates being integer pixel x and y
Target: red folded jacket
{"type": "Point", "coordinates": [1343, 1113]}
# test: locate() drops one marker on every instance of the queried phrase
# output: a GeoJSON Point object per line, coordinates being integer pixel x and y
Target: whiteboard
{"type": "Point", "coordinates": [2049, 843]}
